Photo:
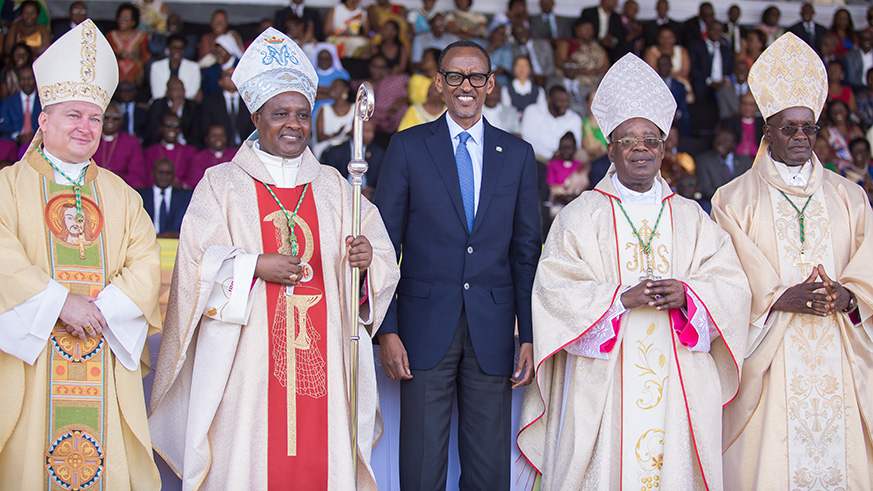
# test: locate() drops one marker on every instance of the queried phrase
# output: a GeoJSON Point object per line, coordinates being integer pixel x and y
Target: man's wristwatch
{"type": "Point", "coordinates": [853, 302]}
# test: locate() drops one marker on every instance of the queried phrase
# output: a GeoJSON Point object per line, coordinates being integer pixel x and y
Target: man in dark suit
{"type": "Point", "coordinates": [651, 28]}
{"type": "Point", "coordinates": [809, 30]}
{"type": "Point", "coordinates": [134, 117]}
{"type": "Point", "coordinates": [20, 107]}
{"type": "Point", "coordinates": [165, 205]}
{"type": "Point", "coordinates": [190, 121]}
{"type": "Point", "coordinates": [696, 27]}
{"type": "Point", "coordinates": [712, 61]}
{"type": "Point", "coordinates": [459, 199]}
{"type": "Point", "coordinates": [309, 15]}
{"type": "Point", "coordinates": [546, 25]}
{"type": "Point", "coordinates": [607, 27]}
{"type": "Point", "coordinates": [677, 88]}
{"type": "Point", "coordinates": [78, 13]}
{"type": "Point", "coordinates": [854, 60]}
{"type": "Point", "coordinates": [338, 157]}
{"type": "Point", "coordinates": [228, 110]}
{"type": "Point", "coordinates": [718, 166]}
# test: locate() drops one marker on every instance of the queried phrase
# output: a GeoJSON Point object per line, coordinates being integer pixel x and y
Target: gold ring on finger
{"type": "Point", "coordinates": [809, 303]}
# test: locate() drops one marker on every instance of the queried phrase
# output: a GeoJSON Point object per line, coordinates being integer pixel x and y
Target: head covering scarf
{"type": "Point", "coordinates": [228, 42]}
{"type": "Point", "coordinates": [336, 65]}
{"type": "Point", "coordinates": [273, 64]}
{"type": "Point", "coordinates": [632, 89]}
{"type": "Point", "coordinates": [78, 66]}
{"type": "Point", "coordinates": [788, 74]}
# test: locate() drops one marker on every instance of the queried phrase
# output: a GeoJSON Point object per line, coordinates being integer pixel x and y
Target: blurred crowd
{"type": "Point", "coordinates": [177, 106]}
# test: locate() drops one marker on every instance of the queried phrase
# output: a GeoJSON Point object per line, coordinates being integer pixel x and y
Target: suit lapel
{"type": "Point", "coordinates": [440, 146]}
{"type": "Point", "coordinates": [492, 162]}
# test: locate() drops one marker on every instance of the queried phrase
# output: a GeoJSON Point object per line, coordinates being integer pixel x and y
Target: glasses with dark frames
{"type": "Point", "coordinates": [477, 80]}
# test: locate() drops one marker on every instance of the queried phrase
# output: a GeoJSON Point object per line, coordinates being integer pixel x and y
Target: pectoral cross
{"type": "Point", "coordinates": [803, 264]}
{"type": "Point", "coordinates": [650, 274]}
{"type": "Point", "coordinates": [81, 240]}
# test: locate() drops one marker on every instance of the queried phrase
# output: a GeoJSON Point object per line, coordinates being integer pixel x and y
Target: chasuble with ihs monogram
{"type": "Point", "coordinates": [802, 417]}
{"type": "Point", "coordinates": [252, 388]}
{"type": "Point", "coordinates": [74, 417]}
{"type": "Point", "coordinates": [632, 399]}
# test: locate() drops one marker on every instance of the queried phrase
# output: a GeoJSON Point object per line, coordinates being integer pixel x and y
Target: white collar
{"type": "Point", "coordinates": [109, 138]}
{"type": "Point", "coordinates": [168, 146]}
{"type": "Point", "coordinates": [522, 88]}
{"type": "Point", "coordinates": [477, 131]}
{"type": "Point", "coordinates": [282, 170]}
{"type": "Point", "coordinates": [72, 170]}
{"type": "Point", "coordinates": [629, 196]}
{"type": "Point", "coordinates": [794, 175]}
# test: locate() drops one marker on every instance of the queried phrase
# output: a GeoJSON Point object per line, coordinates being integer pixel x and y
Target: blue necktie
{"type": "Point", "coordinates": [465, 177]}
{"type": "Point", "coordinates": [162, 217]}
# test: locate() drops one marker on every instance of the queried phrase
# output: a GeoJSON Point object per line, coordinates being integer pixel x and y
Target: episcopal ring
{"type": "Point", "coordinates": [809, 303]}
{"type": "Point", "coordinates": [657, 297]}
{"type": "Point", "coordinates": [293, 277]}
{"type": "Point", "coordinates": [91, 331]}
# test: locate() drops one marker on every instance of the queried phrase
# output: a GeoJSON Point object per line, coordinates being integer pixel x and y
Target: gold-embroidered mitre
{"type": "Point", "coordinates": [788, 74]}
{"type": "Point", "coordinates": [78, 66]}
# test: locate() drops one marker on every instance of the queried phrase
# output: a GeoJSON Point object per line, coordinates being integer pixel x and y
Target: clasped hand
{"type": "Point", "coordinates": [807, 297]}
{"type": "Point", "coordinates": [660, 294]}
{"type": "Point", "coordinates": [81, 317]}
{"type": "Point", "coordinates": [286, 270]}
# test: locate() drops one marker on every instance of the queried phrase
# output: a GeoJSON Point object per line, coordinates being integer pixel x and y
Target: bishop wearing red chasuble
{"type": "Point", "coordinates": [252, 386]}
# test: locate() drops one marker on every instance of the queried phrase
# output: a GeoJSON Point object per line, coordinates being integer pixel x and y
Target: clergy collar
{"type": "Point", "coordinates": [270, 159]}
{"type": "Point", "coordinates": [629, 196]}
{"type": "Point", "coordinates": [168, 146]}
{"type": "Point", "coordinates": [73, 170]}
{"type": "Point", "coordinates": [477, 131]}
{"type": "Point", "coordinates": [794, 175]}
{"type": "Point", "coordinates": [109, 138]}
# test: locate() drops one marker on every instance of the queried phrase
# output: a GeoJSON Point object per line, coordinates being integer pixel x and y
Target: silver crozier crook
{"type": "Point", "coordinates": [364, 104]}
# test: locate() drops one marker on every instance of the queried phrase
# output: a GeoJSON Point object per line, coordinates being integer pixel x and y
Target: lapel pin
{"type": "Point", "coordinates": [499, 149]}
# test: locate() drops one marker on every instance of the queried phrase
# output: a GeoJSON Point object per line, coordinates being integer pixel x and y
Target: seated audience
{"type": "Point", "coordinates": [420, 82]}
{"type": "Point", "coordinates": [836, 89]}
{"type": "Point", "coordinates": [538, 51]}
{"type": "Point", "coordinates": [346, 27]}
{"type": "Point", "coordinates": [585, 52]}
{"type": "Point", "coordinates": [174, 65]}
{"type": "Point", "coordinates": [218, 26]}
{"type": "Point", "coordinates": [174, 102]}
{"type": "Point", "coordinates": [735, 85]}
{"type": "Point", "coordinates": [566, 176]}
{"type": "Point", "coordinates": [118, 151]}
{"type": "Point", "coordinates": [718, 166]}
{"type": "Point", "coordinates": [389, 46]}
{"type": "Point", "coordinates": [19, 112]}
{"type": "Point", "coordinates": [429, 111]}
{"type": "Point", "coordinates": [682, 119]}
{"type": "Point", "coordinates": [838, 131]}
{"type": "Point", "coordinates": [419, 19]}
{"type": "Point", "coordinates": [226, 54]}
{"type": "Point", "coordinates": [340, 155]}
{"type": "Point", "coordinates": [329, 68]}
{"type": "Point", "coordinates": [333, 124]}
{"type": "Point", "coordinates": [165, 204]}
{"type": "Point", "coordinates": [593, 143]}
{"type": "Point", "coordinates": [500, 115]}
{"type": "Point", "coordinates": [770, 25]}
{"type": "Point", "coordinates": [216, 152]}
{"type": "Point", "coordinates": [136, 117]}
{"type": "Point", "coordinates": [465, 23]}
{"type": "Point", "coordinates": [228, 110]}
{"type": "Point", "coordinates": [311, 19]}
{"type": "Point", "coordinates": [864, 100]}
{"type": "Point", "coordinates": [748, 126]}
{"type": "Point", "coordinates": [543, 126]}
{"type": "Point", "coordinates": [522, 91]}
{"type": "Point", "coordinates": [129, 44]}
{"type": "Point", "coordinates": [170, 148]}
{"type": "Point", "coordinates": [21, 55]}
{"type": "Point", "coordinates": [844, 30]}
{"type": "Point", "coordinates": [434, 37]}
{"type": "Point", "coordinates": [25, 29]}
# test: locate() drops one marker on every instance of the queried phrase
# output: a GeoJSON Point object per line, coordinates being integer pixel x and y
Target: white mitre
{"type": "Point", "coordinates": [632, 89]}
{"type": "Point", "coordinates": [78, 66]}
{"type": "Point", "coordinates": [273, 64]}
{"type": "Point", "coordinates": [788, 74]}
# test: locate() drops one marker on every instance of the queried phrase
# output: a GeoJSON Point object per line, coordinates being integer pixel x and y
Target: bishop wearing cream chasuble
{"type": "Point", "coordinates": [639, 309]}
{"type": "Point", "coordinates": [252, 386]}
{"type": "Point", "coordinates": [79, 280]}
{"type": "Point", "coordinates": [802, 417]}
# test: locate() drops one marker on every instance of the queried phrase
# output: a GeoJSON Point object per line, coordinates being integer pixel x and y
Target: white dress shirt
{"type": "Point", "coordinates": [157, 202]}
{"type": "Point", "coordinates": [476, 148]}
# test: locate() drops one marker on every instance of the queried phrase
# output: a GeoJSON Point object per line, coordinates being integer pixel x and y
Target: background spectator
{"type": "Point", "coordinates": [502, 116]}
{"type": "Point", "coordinates": [429, 111]}
{"type": "Point", "coordinates": [717, 167]}
{"type": "Point", "coordinates": [25, 29]}
{"type": "Point", "coordinates": [129, 44]}
{"type": "Point", "coordinates": [522, 92]}
{"type": "Point", "coordinates": [838, 131]}
{"type": "Point", "coordinates": [808, 29]}
{"type": "Point", "coordinates": [334, 121]}
{"type": "Point", "coordinates": [844, 30]}
{"type": "Point", "coordinates": [314, 27]}
{"type": "Point", "coordinates": [465, 23]}
{"type": "Point", "coordinates": [118, 151]}
{"type": "Point", "coordinates": [346, 27]}
{"type": "Point", "coordinates": [19, 112]}
{"type": "Point", "coordinates": [174, 102]}
{"type": "Point", "coordinates": [170, 148]}
{"type": "Point", "coordinates": [390, 47]}
{"type": "Point", "coordinates": [227, 109]}
{"type": "Point", "coordinates": [21, 55]}
{"type": "Point", "coordinates": [175, 65]}
{"type": "Point", "coordinates": [165, 204]}
{"type": "Point", "coordinates": [770, 25]}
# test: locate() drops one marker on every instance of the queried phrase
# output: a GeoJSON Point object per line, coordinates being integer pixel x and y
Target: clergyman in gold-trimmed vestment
{"type": "Point", "coordinates": [803, 233]}
{"type": "Point", "coordinates": [80, 274]}
{"type": "Point", "coordinates": [639, 308]}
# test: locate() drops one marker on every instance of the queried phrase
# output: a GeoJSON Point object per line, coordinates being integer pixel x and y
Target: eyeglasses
{"type": "Point", "coordinates": [477, 80]}
{"type": "Point", "coordinates": [629, 143]}
{"type": "Point", "coordinates": [111, 116]}
{"type": "Point", "coordinates": [79, 11]}
{"type": "Point", "coordinates": [171, 125]}
{"type": "Point", "coordinates": [808, 129]}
